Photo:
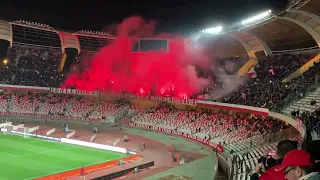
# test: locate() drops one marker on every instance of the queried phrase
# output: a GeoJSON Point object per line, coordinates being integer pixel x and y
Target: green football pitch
{"type": "Point", "coordinates": [28, 158]}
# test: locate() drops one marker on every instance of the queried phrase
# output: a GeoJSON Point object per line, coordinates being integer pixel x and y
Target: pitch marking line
{"type": "Point", "coordinates": [58, 172]}
{"type": "Point", "coordinates": [46, 151]}
{"type": "Point", "coordinates": [17, 156]}
{"type": "Point", "coordinates": [8, 154]}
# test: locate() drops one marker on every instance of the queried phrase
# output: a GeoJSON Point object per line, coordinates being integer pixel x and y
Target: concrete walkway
{"type": "Point", "coordinates": [201, 169]}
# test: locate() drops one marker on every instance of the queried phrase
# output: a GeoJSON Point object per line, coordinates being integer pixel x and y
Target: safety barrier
{"type": "Point", "coordinates": [46, 116]}
{"type": "Point", "coordinates": [18, 126]}
{"type": "Point", "coordinates": [71, 134]}
{"type": "Point", "coordinates": [183, 134]}
{"type": "Point", "coordinates": [127, 172]}
{"type": "Point", "coordinates": [34, 129]}
{"type": "Point", "coordinates": [51, 131]}
{"type": "Point", "coordinates": [93, 137]}
{"type": "Point", "coordinates": [116, 142]}
{"type": "Point", "coordinates": [5, 124]}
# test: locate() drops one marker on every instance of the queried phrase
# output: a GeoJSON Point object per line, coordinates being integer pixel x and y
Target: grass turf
{"type": "Point", "coordinates": [27, 158]}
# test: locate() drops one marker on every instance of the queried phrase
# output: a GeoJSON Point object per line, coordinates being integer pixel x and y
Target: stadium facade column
{"type": "Point", "coordinates": [311, 23]}
{"type": "Point", "coordinates": [253, 60]}
{"type": "Point", "coordinates": [68, 40]}
{"type": "Point", "coordinates": [63, 61]}
{"type": "Point", "coordinates": [312, 27]}
{"type": "Point", "coordinates": [6, 31]}
{"type": "Point", "coordinates": [265, 47]}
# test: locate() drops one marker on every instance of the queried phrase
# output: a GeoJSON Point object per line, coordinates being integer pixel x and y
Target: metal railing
{"type": "Point", "coordinates": [302, 89]}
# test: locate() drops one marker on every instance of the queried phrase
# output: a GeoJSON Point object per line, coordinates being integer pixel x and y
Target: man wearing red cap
{"type": "Point", "coordinates": [283, 148]}
{"type": "Point", "coordinates": [298, 165]}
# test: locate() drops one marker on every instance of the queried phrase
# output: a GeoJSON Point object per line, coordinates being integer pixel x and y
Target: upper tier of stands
{"type": "Point", "coordinates": [267, 89]}
{"type": "Point", "coordinates": [32, 66]}
{"type": "Point", "coordinates": [39, 67]}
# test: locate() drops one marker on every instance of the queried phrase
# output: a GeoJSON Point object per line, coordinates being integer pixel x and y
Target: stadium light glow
{"type": "Point", "coordinates": [5, 61]}
{"type": "Point", "coordinates": [257, 18]}
{"type": "Point", "coordinates": [214, 30]}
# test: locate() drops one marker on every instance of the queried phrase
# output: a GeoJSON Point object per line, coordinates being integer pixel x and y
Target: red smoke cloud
{"type": "Point", "coordinates": [114, 68]}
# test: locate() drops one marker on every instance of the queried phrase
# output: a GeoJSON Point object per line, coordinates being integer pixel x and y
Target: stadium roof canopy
{"type": "Point", "coordinates": [312, 6]}
{"type": "Point", "coordinates": [296, 28]}
{"type": "Point", "coordinates": [281, 35]}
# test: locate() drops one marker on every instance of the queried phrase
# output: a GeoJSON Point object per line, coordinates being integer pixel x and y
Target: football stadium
{"type": "Point", "coordinates": [135, 105]}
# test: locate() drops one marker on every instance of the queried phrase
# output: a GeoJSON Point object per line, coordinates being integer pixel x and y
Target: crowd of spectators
{"type": "Point", "coordinates": [311, 120]}
{"type": "Point", "coordinates": [39, 67]}
{"type": "Point", "coordinates": [267, 89]}
{"type": "Point", "coordinates": [32, 67]}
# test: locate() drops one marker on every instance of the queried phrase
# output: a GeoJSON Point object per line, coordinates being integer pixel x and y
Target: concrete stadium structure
{"type": "Point", "coordinates": [296, 29]}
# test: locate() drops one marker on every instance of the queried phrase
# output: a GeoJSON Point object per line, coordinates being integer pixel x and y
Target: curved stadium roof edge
{"type": "Point", "coordinates": [297, 27]}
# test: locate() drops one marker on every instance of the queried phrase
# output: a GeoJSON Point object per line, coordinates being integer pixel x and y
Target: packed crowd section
{"type": "Point", "coordinates": [267, 89]}
{"type": "Point", "coordinates": [39, 67]}
{"type": "Point", "coordinates": [311, 120]}
{"type": "Point", "coordinates": [32, 67]}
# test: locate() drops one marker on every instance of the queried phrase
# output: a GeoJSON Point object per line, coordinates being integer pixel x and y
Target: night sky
{"type": "Point", "coordinates": [177, 16]}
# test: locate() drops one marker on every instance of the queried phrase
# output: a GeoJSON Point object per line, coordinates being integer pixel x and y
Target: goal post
{"type": "Point", "coordinates": [17, 130]}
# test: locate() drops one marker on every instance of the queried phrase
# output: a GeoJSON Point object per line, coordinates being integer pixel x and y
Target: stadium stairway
{"type": "Point", "coordinates": [40, 104]}
{"type": "Point", "coordinates": [122, 112]}
{"type": "Point", "coordinates": [249, 160]}
{"type": "Point", "coordinates": [97, 105]}
{"type": "Point", "coordinates": [302, 69]}
{"type": "Point", "coordinates": [303, 104]}
{"type": "Point", "coordinates": [10, 102]}
{"type": "Point", "coordinates": [68, 106]}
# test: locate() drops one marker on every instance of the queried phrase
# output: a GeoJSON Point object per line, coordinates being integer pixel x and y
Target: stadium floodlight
{"type": "Point", "coordinates": [256, 18]}
{"type": "Point", "coordinates": [214, 30]}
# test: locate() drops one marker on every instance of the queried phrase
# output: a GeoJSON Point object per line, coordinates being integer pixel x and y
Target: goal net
{"type": "Point", "coordinates": [17, 130]}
